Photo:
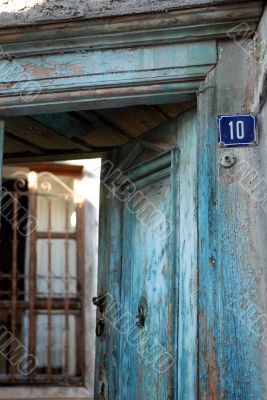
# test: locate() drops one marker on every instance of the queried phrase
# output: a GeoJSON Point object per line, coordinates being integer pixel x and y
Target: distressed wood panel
{"type": "Point", "coordinates": [208, 242]}
{"type": "Point", "coordinates": [115, 267]}
{"type": "Point", "coordinates": [104, 78]}
{"type": "Point", "coordinates": [107, 67]}
{"type": "Point", "coordinates": [257, 166]}
{"type": "Point", "coordinates": [229, 268]}
{"type": "Point", "coordinates": [39, 67]}
{"type": "Point", "coordinates": [182, 25]}
{"type": "Point", "coordinates": [187, 128]}
{"type": "Point", "coordinates": [149, 270]}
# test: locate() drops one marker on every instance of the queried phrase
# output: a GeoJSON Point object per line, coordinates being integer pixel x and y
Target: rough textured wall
{"type": "Point", "coordinates": [15, 12]}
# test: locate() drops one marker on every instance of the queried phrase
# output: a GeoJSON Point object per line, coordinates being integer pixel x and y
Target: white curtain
{"type": "Point", "coordinates": [61, 285]}
{"type": "Point", "coordinates": [58, 342]}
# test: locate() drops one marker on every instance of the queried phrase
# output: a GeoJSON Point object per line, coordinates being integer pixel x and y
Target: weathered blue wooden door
{"type": "Point", "coordinates": [146, 345]}
{"type": "Point", "coordinates": [149, 281]}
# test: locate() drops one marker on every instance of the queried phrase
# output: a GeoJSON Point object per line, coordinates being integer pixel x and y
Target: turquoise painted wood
{"type": "Point", "coordinates": [220, 229]}
{"type": "Point", "coordinates": [149, 273]}
{"type": "Point", "coordinates": [230, 305]}
{"type": "Point", "coordinates": [97, 68]}
{"type": "Point", "coordinates": [141, 59]}
{"type": "Point", "coordinates": [148, 258]}
{"type": "Point", "coordinates": [104, 77]}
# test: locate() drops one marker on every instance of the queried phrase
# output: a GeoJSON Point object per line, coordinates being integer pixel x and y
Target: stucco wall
{"type": "Point", "coordinates": [15, 12]}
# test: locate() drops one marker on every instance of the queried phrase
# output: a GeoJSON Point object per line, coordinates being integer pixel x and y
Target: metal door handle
{"type": "Point", "coordinates": [99, 302]}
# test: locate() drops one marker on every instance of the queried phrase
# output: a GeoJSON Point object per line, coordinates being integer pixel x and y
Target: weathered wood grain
{"type": "Point", "coordinates": [182, 25]}
{"type": "Point", "coordinates": [229, 268]}
{"type": "Point", "coordinates": [187, 134]}
{"type": "Point", "coordinates": [134, 262]}
{"type": "Point", "coordinates": [44, 81]}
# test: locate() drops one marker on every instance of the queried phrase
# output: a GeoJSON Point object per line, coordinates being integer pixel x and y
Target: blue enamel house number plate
{"type": "Point", "coordinates": [237, 130]}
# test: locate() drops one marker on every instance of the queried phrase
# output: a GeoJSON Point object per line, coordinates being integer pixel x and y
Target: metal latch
{"type": "Point", "coordinates": [140, 318]}
{"type": "Point", "coordinates": [142, 312]}
{"type": "Point", "coordinates": [100, 302]}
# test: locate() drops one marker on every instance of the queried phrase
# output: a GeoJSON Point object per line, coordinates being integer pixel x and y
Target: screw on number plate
{"type": "Point", "coordinates": [228, 161]}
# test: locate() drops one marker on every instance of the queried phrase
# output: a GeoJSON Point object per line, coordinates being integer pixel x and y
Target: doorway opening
{"type": "Point", "coordinates": [45, 265]}
{"type": "Point", "coordinates": [49, 317]}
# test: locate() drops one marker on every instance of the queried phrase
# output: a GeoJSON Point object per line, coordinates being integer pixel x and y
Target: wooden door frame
{"type": "Point", "coordinates": [119, 61]}
{"type": "Point", "coordinates": [28, 53]}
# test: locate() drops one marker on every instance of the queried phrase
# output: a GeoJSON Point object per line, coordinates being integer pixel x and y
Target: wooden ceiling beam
{"type": "Point", "coordinates": [27, 129]}
{"type": "Point", "coordinates": [15, 158]}
{"type": "Point", "coordinates": [111, 125]}
{"type": "Point", "coordinates": [78, 143]}
{"type": "Point", "coordinates": [30, 146]}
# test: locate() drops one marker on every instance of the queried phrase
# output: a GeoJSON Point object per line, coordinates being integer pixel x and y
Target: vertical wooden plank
{"type": "Point", "coordinates": [207, 248]}
{"type": "Point", "coordinates": [258, 164]}
{"type": "Point", "coordinates": [187, 131]}
{"type": "Point", "coordinates": [109, 278]}
{"type": "Point", "coordinates": [229, 349]}
{"type": "Point", "coordinates": [114, 293]}
{"type": "Point", "coordinates": [237, 259]}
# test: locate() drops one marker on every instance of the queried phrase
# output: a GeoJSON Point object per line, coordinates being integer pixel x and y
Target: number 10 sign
{"type": "Point", "coordinates": [237, 130]}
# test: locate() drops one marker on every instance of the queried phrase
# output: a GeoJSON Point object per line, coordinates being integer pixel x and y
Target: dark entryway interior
{"type": "Point", "coordinates": [7, 248]}
{"type": "Point", "coordinates": [83, 134]}
{"type": "Point", "coordinates": [55, 137]}
{"type": "Point", "coordinates": [13, 219]}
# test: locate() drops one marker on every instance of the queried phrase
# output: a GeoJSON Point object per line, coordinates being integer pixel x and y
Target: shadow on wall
{"type": "Point", "coordinates": [24, 12]}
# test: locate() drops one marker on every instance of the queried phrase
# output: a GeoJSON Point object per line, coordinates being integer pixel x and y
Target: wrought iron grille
{"type": "Point", "coordinates": [41, 281]}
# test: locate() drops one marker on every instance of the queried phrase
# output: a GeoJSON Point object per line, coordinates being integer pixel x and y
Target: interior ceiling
{"type": "Point", "coordinates": [81, 134]}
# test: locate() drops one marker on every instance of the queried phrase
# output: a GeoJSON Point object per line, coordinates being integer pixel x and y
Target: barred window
{"type": "Point", "coordinates": [41, 280]}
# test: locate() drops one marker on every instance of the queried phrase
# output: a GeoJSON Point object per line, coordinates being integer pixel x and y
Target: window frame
{"type": "Point", "coordinates": [54, 303]}
{"type": "Point", "coordinates": [35, 303]}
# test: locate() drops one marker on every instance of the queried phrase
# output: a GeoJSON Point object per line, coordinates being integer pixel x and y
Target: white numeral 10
{"type": "Point", "coordinates": [239, 127]}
